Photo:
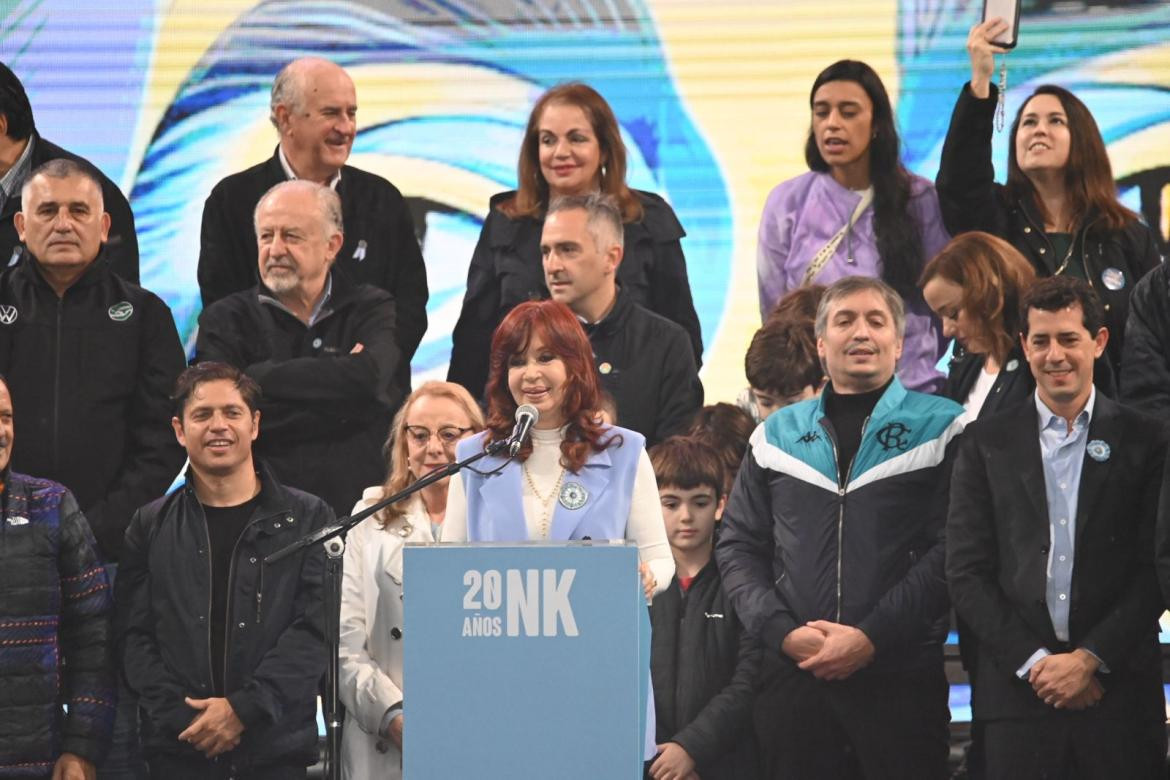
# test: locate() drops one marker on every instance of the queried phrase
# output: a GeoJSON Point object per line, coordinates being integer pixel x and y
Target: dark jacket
{"type": "Point", "coordinates": [1145, 361]}
{"type": "Point", "coordinates": [90, 375]}
{"type": "Point", "coordinates": [55, 642]}
{"type": "Point", "coordinates": [380, 246]}
{"type": "Point", "coordinates": [325, 412]}
{"type": "Point", "coordinates": [704, 666]}
{"type": "Point", "coordinates": [800, 541]}
{"type": "Point", "coordinates": [277, 650]}
{"type": "Point", "coordinates": [997, 545]}
{"type": "Point", "coordinates": [1014, 384]}
{"type": "Point", "coordinates": [121, 248]}
{"type": "Point", "coordinates": [506, 269]}
{"type": "Point", "coordinates": [646, 364]}
{"type": "Point", "coordinates": [971, 200]}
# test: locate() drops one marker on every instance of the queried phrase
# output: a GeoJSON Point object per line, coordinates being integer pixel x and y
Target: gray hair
{"type": "Point", "coordinates": [328, 203]}
{"type": "Point", "coordinates": [603, 217]}
{"type": "Point", "coordinates": [286, 91]}
{"type": "Point", "coordinates": [844, 287]}
{"type": "Point", "coordinates": [62, 168]}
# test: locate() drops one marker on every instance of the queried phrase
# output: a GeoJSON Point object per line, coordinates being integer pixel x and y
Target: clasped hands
{"type": "Point", "coordinates": [216, 729]}
{"type": "Point", "coordinates": [1067, 681]}
{"type": "Point", "coordinates": [829, 651]}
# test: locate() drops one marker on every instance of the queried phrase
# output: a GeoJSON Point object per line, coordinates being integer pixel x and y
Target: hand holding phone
{"type": "Point", "coordinates": [982, 48]}
{"type": "Point", "coordinates": [1008, 11]}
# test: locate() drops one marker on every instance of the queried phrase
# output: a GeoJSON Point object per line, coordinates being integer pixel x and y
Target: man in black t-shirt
{"type": "Point", "coordinates": [223, 651]}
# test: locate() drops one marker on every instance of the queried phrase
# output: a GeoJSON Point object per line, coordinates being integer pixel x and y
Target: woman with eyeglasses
{"type": "Point", "coordinates": [422, 438]}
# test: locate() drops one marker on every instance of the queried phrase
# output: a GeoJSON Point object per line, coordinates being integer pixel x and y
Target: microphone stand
{"type": "Point", "coordinates": [332, 537]}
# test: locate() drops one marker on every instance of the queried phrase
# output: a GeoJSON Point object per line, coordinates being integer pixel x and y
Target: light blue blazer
{"type": "Point", "coordinates": [495, 512]}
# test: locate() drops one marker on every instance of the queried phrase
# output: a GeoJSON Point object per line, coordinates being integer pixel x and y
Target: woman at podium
{"type": "Point", "coordinates": [422, 438]}
{"type": "Point", "coordinates": [574, 477]}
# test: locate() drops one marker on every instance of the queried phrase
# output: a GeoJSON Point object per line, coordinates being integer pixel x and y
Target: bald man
{"type": "Point", "coordinates": [314, 110]}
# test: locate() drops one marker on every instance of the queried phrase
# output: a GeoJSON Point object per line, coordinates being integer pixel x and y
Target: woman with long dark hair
{"type": "Point", "coordinates": [423, 436]}
{"type": "Point", "coordinates": [858, 211]}
{"type": "Point", "coordinates": [572, 146]}
{"type": "Point", "coordinates": [974, 285]}
{"type": "Point", "coordinates": [575, 477]}
{"type": "Point", "coordinates": [1059, 205]}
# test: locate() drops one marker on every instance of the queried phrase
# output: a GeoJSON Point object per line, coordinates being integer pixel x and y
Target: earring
{"type": "Point", "coordinates": [603, 170]}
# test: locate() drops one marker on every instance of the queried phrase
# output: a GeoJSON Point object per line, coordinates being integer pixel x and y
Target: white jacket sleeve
{"type": "Point", "coordinates": [366, 690]}
{"type": "Point", "coordinates": [646, 526]}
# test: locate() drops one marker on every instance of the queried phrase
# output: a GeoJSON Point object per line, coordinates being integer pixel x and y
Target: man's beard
{"type": "Point", "coordinates": [280, 281]}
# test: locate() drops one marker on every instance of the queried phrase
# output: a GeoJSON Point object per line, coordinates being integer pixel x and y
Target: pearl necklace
{"type": "Point", "coordinates": [546, 502]}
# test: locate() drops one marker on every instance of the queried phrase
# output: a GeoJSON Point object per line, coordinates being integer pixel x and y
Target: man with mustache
{"type": "Point", "coordinates": [55, 606]}
{"type": "Point", "coordinates": [323, 349]}
{"type": "Point", "coordinates": [832, 554]}
{"type": "Point", "coordinates": [1051, 562]}
{"type": "Point", "coordinates": [314, 110]}
{"type": "Point", "coordinates": [90, 357]}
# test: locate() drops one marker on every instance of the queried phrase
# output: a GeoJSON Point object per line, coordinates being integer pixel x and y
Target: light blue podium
{"type": "Point", "coordinates": [524, 661]}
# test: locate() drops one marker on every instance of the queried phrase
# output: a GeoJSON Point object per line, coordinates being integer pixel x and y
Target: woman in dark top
{"type": "Point", "coordinates": [572, 146]}
{"type": "Point", "coordinates": [974, 286]}
{"type": "Point", "coordinates": [1059, 206]}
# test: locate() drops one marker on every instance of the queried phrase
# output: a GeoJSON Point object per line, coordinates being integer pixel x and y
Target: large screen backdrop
{"type": "Point", "coordinates": [169, 97]}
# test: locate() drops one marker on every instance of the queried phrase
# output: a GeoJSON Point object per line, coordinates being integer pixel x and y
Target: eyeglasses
{"type": "Point", "coordinates": [448, 435]}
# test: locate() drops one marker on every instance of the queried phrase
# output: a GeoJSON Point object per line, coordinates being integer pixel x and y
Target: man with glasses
{"type": "Point", "coordinates": [322, 349]}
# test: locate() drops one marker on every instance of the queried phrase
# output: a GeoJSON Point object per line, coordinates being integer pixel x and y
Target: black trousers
{"type": "Point", "coordinates": [1075, 746]}
{"type": "Point", "coordinates": [164, 767]}
{"type": "Point", "coordinates": [873, 726]}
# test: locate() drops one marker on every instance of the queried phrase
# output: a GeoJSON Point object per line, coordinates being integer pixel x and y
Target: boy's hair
{"type": "Point", "coordinates": [725, 428]}
{"type": "Point", "coordinates": [687, 463]}
{"type": "Point", "coordinates": [1053, 293]}
{"type": "Point", "coordinates": [212, 371]}
{"type": "Point", "coordinates": [783, 358]}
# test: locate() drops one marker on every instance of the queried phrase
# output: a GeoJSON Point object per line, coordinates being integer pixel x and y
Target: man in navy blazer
{"type": "Point", "coordinates": [1049, 540]}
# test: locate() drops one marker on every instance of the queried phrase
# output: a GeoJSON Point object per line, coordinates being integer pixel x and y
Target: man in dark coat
{"type": "Point", "coordinates": [323, 349]}
{"type": "Point", "coordinates": [1050, 528]}
{"type": "Point", "coordinates": [223, 650]}
{"type": "Point", "coordinates": [645, 361]}
{"type": "Point", "coordinates": [22, 150]}
{"type": "Point", "coordinates": [314, 109]}
{"type": "Point", "coordinates": [89, 356]}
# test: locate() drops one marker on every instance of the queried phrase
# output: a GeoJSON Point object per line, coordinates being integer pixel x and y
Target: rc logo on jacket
{"type": "Point", "coordinates": [120, 312]}
{"type": "Point", "coordinates": [7, 314]}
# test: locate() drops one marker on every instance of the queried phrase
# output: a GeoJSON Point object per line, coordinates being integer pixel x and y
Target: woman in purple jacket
{"type": "Point", "coordinates": [857, 212]}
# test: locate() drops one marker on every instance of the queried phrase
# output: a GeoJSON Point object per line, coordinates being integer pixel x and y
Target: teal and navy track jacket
{"type": "Point", "coordinates": [802, 541]}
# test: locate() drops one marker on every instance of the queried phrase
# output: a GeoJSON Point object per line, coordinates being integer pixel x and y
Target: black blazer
{"type": "Point", "coordinates": [997, 552]}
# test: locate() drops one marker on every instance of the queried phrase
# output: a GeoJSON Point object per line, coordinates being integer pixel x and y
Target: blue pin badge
{"type": "Point", "coordinates": [574, 495]}
{"type": "Point", "coordinates": [1098, 450]}
{"type": "Point", "coordinates": [1113, 278]}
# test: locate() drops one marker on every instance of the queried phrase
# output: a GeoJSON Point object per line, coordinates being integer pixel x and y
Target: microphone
{"type": "Point", "coordinates": [526, 417]}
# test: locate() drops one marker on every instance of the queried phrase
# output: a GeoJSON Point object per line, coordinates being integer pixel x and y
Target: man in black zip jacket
{"type": "Point", "coordinates": [90, 357]}
{"type": "Point", "coordinates": [314, 109]}
{"type": "Point", "coordinates": [223, 652]}
{"type": "Point", "coordinates": [23, 150]}
{"type": "Point", "coordinates": [322, 349]}
{"type": "Point", "coordinates": [644, 360]}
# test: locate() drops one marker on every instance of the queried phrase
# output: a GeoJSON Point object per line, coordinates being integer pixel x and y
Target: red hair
{"type": "Point", "coordinates": [561, 332]}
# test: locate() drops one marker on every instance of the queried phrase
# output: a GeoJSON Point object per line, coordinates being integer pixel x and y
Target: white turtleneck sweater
{"type": "Point", "coordinates": [644, 526]}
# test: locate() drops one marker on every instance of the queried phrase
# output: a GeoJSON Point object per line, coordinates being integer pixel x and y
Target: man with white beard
{"type": "Point", "coordinates": [322, 349]}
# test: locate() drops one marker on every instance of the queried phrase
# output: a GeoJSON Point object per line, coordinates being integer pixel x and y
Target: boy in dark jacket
{"type": "Point", "coordinates": [702, 661]}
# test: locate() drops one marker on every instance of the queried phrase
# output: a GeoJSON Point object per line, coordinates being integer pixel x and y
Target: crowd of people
{"type": "Point", "coordinates": [801, 549]}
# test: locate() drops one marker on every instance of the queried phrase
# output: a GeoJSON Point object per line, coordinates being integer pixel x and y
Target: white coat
{"type": "Point", "coordinates": [370, 653]}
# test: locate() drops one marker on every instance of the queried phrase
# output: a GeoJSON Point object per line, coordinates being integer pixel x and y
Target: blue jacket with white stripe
{"type": "Point", "coordinates": [803, 541]}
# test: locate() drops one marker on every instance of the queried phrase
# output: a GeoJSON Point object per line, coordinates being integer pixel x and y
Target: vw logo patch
{"type": "Point", "coordinates": [7, 314]}
{"type": "Point", "coordinates": [120, 312]}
